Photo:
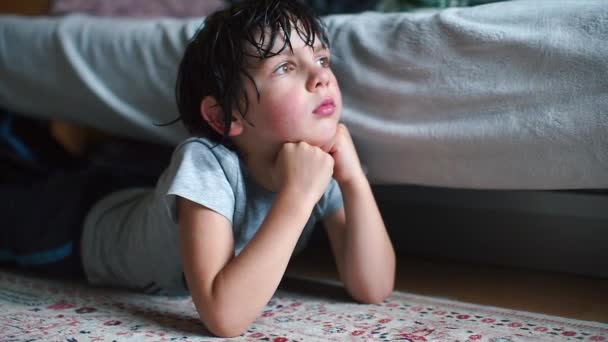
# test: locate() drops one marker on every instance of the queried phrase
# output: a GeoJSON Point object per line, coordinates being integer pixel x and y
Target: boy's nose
{"type": "Point", "coordinates": [318, 78]}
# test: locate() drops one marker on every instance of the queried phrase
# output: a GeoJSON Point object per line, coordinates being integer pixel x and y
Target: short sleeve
{"type": "Point", "coordinates": [202, 174]}
{"type": "Point", "coordinates": [330, 201]}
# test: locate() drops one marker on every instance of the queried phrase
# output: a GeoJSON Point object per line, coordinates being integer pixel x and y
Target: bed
{"type": "Point", "coordinates": [503, 97]}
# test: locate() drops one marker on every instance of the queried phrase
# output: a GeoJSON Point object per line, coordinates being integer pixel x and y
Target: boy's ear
{"type": "Point", "coordinates": [214, 115]}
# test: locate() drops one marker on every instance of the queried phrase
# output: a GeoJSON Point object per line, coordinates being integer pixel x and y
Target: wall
{"type": "Point", "coordinates": [25, 7]}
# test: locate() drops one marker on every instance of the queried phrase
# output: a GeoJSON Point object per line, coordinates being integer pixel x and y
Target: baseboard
{"type": "Point", "coordinates": [562, 231]}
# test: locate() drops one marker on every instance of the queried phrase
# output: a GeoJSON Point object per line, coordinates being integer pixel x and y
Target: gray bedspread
{"type": "Point", "coordinates": [511, 95]}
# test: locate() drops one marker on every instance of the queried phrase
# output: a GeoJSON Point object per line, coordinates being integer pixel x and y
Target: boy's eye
{"type": "Point", "coordinates": [283, 69]}
{"type": "Point", "coordinates": [324, 61]}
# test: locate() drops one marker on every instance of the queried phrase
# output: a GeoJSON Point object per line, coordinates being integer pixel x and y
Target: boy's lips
{"type": "Point", "coordinates": [326, 108]}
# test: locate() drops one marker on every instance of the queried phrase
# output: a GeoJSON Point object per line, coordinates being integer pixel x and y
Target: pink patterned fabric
{"type": "Point", "coordinates": [137, 8]}
{"type": "Point", "coordinates": [36, 309]}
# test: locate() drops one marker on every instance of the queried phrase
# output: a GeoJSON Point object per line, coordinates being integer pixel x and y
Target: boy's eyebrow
{"type": "Point", "coordinates": [254, 62]}
{"type": "Point", "coordinates": [288, 51]}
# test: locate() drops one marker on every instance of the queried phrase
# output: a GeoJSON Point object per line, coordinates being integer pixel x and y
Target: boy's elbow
{"type": "Point", "coordinates": [222, 325]}
{"type": "Point", "coordinates": [373, 297]}
{"type": "Point", "coordinates": [372, 294]}
{"type": "Point", "coordinates": [226, 330]}
{"type": "Point", "coordinates": [221, 318]}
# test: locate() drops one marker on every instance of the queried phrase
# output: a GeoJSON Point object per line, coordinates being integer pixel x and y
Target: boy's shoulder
{"type": "Point", "coordinates": [199, 152]}
{"type": "Point", "coordinates": [204, 146]}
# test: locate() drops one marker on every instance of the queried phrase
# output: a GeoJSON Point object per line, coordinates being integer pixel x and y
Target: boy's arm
{"type": "Point", "coordinates": [363, 250]}
{"type": "Point", "coordinates": [229, 291]}
{"type": "Point", "coordinates": [364, 253]}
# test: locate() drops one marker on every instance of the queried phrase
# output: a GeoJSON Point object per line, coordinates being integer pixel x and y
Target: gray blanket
{"type": "Point", "coordinates": [511, 95]}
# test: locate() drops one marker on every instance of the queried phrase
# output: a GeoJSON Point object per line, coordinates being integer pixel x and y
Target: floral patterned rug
{"type": "Point", "coordinates": [37, 309]}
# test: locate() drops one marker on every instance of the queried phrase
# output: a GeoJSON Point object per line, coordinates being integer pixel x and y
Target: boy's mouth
{"type": "Point", "coordinates": [326, 108]}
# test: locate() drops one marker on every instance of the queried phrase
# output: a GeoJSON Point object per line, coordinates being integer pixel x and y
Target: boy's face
{"type": "Point", "coordinates": [299, 99]}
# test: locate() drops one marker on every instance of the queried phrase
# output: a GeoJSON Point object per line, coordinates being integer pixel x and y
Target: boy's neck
{"type": "Point", "coordinates": [260, 165]}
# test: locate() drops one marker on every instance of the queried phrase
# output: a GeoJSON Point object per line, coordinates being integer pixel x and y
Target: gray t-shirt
{"type": "Point", "coordinates": [130, 237]}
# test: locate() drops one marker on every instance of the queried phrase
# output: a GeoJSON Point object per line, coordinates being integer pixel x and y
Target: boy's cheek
{"type": "Point", "coordinates": [283, 120]}
{"type": "Point", "coordinates": [286, 110]}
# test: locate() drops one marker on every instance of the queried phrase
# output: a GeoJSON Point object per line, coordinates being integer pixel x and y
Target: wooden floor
{"type": "Point", "coordinates": [535, 291]}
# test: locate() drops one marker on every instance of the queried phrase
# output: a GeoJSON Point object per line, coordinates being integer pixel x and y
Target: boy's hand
{"type": "Point", "coordinates": [304, 169]}
{"type": "Point", "coordinates": [346, 161]}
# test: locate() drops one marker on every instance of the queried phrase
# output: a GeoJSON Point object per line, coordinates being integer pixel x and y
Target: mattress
{"type": "Point", "coordinates": [509, 95]}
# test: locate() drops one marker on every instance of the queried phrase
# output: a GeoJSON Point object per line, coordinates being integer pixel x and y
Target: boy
{"type": "Point", "coordinates": [257, 94]}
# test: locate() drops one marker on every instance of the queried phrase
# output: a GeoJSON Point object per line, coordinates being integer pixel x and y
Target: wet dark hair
{"type": "Point", "coordinates": [215, 60]}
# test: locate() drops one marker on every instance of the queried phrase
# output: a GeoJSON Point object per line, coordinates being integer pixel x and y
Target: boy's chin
{"type": "Point", "coordinates": [328, 145]}
{"type": "Point", "coordinates": [324, 141]}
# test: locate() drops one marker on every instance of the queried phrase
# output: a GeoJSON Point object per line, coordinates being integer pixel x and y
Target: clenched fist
{"type": "Point", "coordinates": [304, 170]}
